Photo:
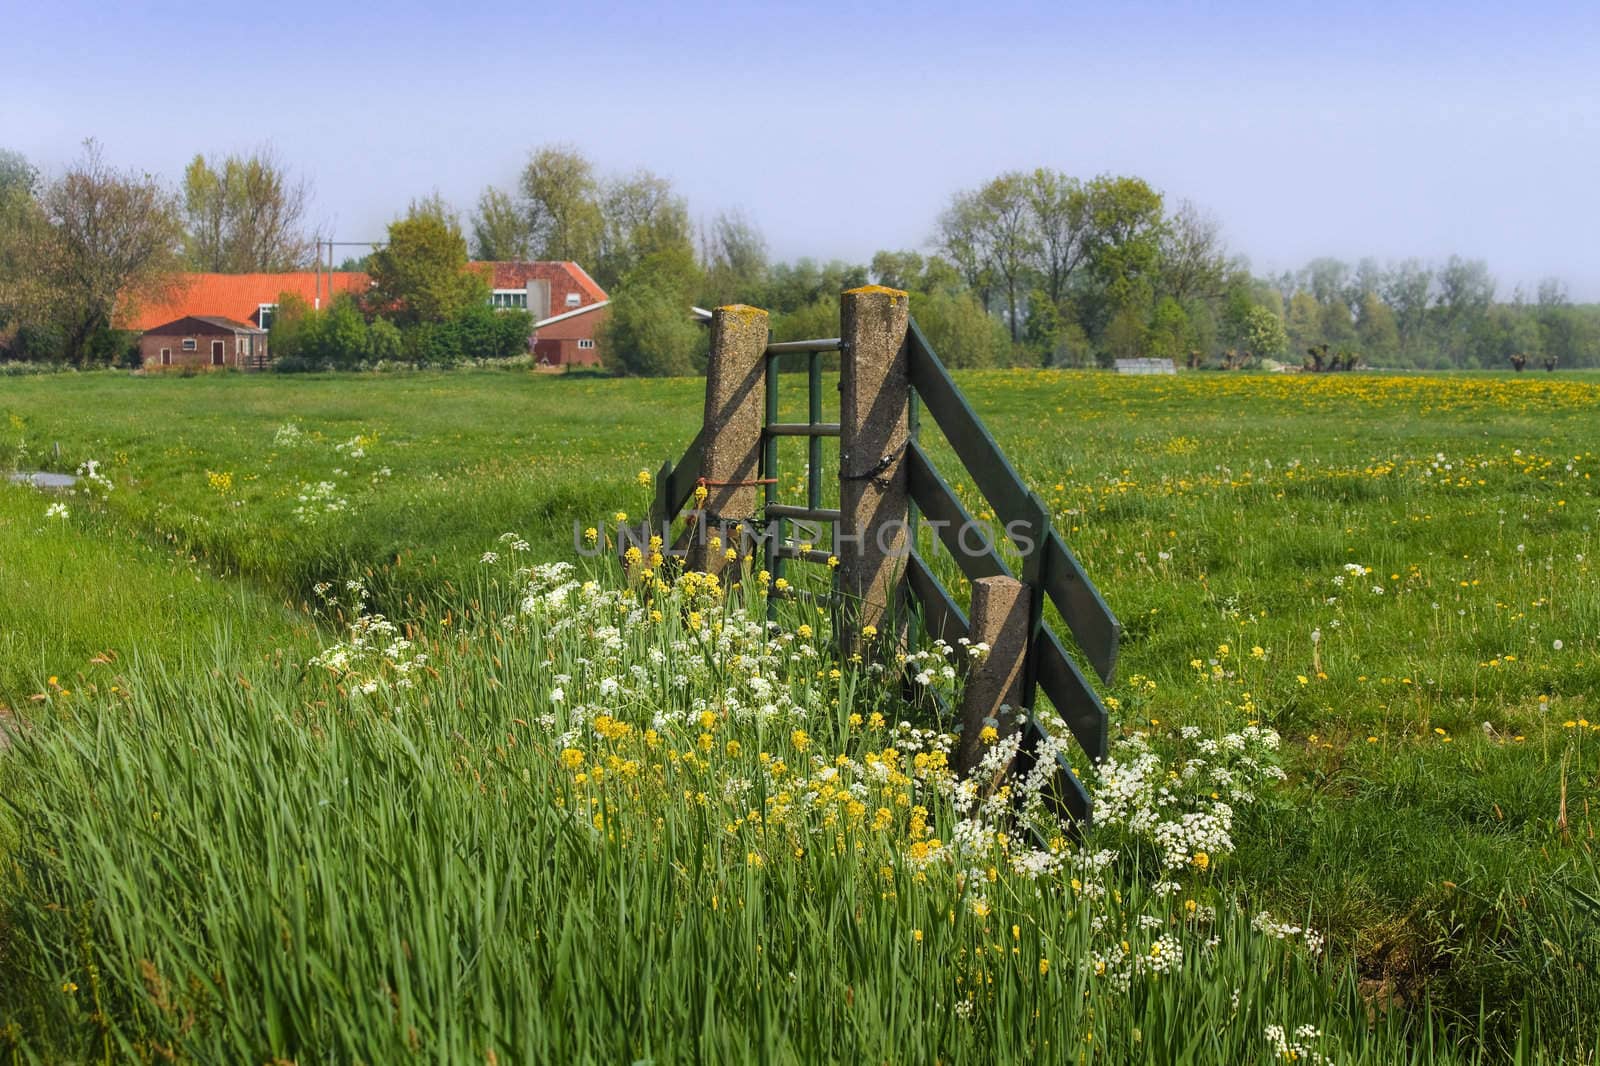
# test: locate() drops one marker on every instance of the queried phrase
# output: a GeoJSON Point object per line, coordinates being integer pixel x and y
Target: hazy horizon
{"type": "Point", "coordinates": [1386, 130]}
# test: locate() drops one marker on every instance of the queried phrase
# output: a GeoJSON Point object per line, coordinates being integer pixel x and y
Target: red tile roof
{"type": "Point", "coordinates": [238, 296]}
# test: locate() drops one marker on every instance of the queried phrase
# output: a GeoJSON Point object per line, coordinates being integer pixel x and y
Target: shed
{"type": "Point", "coordinates": [205, 342]}
{"type": "Point", "coordinates": [1145, 366]}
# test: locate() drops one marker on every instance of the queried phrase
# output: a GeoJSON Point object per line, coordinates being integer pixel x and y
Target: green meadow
{"type": "Point", "coordinates": [312, 757]}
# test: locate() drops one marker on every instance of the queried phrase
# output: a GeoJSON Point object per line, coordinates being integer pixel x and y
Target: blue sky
{"type": "Point", "coordinates": [1389, 129]}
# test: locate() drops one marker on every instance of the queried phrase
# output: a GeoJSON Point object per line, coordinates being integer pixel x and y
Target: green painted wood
{"type": "Point", "coordinates": [1080, 603]}
{"type": "Point", "coordinates": [1071, 694]}
{"type": "Point", "coordinates": [941, 618]}
{"type": "Point", "coordinates": [1079, 707]}
{"type": "Point", "coordinates": [943, 511]}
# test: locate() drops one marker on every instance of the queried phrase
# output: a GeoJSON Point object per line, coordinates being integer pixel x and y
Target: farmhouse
{"type": "Point", "coordinates": [204, 342]}
{"type": "Point", "coordinates": [566, 304]}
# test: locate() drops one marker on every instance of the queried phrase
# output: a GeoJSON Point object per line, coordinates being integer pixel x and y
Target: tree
{"type": "Point", "coordinates": [1263, 335]}
{"type": "Point", "coordinates": [1303, 323]}
{"type": "Point", "coordinates": [735, 254]}
{"type": "Point", "coordinates": [560, 198]}
{"type": "Point", "coordinates": [1169, 335]}
{"type": "Point", "coordinates": [499, 228]}
{"type": "Point", "coordinates": [1375, 327]}
{"type": "Point", "coordinates": [421, 275]}
{"type": "Point", "coordinates": [1328, 279]}
{"type": "Point", "coordinates": [1124, 252]}
{"type": "Point", "coordinates": [1466, 292]}
{"type": "Point", "coordinates": [1060, 216]}
{"type": "Point", "coordinates": [248, 216]}
{"type": "Point", "coordinates": [110, 237]}
{"type": "Point", "coordinates": [1008, 239]}
{"type": "Point", "coordinates": [897, 270]}
{"type": "Point", "coordinates": [1406, 289]}
{"type": "Point", "coordinates": [959, 238]}
{"type": "Point", "coordinates": [21, 224]}
{"type": "Point", "coordinates": [959, 329]}
{"type": "Point", "coordinates": [648, 330]}
{"type": "Point", "coordinates": [1194, 262]}
{"type": "Point", "coordinates": [640, 215]}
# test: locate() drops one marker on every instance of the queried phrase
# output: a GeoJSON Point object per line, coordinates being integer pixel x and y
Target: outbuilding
{"type": "Point", "coordinates": [204, 342]}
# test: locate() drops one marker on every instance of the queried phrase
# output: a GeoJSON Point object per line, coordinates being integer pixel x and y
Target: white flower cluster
{"type": "Point", "coordinates": [91, 480]}
{"type": "Point", "coordinates": [57, 511]}
{"type": "Point", "coordinates": [1298, 1049]}
{"type": "Point", "coordinates": [289, 435]}
{"type": "Point", "coordinates": [1184, 807]}
{"type": "Point", "coordinates": [319, 500]}
{"type": "Point", "coordinates": [1267, 925]}
{"type": "Point", "coordinates": [374, 654]}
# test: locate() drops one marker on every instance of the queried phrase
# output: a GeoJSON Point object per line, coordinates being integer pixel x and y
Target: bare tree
{"type": "Point", "coordinates": [560, 197]}
{"type": "Point", "coordinates": [1061, 222]}
{"type": "Point", "coordinates": [499, 228]}
{"type": "Point", "coordinates": [112, 237]}
{"type": "Point", "coordinates": [246, 216]}
{"type": "Point", "coordinates": [641, 214]}
{"type": "Point", "coordinates": [1194, 261]}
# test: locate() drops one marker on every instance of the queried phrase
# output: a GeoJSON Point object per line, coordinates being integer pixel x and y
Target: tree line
{"type": "Point", "coordinates": [1036, 268]}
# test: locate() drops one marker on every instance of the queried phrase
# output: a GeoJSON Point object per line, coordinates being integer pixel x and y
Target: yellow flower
{"type": "Point", "coordinates": [572, 758]}
{"type": "Point", "coordinates": [916, 934]}
{"type": "Point", "coordinates": [833, 561]}
{"type": "Point", "coordinates": [867, 633]}
{"type": "Point", "coordinates": [68, 987]}
{"type": "Point", "coordinates": [643, 479]}
{"type": "Point", "coordinates": [621, 516]}
{"type": "Point", "coordinates": [1044, 967]}
{"type": "Point", "coordinates": [989, 734]}
{"type": "Point", "coordinates": [591, 534]}
{"type": "Point", "coordinates": [1302, 679]}
{"type": "Point", "coordinates": [804, 632]}
{"type": "Point", "coordinates": [1201, 860]}
{"type": "Point", "coordinates": [800, 739]}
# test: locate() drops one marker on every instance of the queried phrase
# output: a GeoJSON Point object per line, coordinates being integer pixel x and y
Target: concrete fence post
{"type": "Point", "coordinates": [874, 396]}
{"type": "Point", "coordinates": [994, 688]}
{"type": "Point", "coordinates": [735, 401]}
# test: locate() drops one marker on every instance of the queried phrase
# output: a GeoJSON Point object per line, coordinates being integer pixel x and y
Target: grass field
{"type": "Point", "coordinates": [242, 820]}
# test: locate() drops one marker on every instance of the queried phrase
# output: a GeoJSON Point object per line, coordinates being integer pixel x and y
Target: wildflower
{"type": "Point", "coordinates": [643, 478]}
{"type": "Point", "coordinates": [1044, 966]}
{"type": "Point", "coordinates": [800, 739]}
{"type": "Point", "coordinates": [56, 510]}
{"type": "Point", "coordinates": [833, 562]}
{"type": "Point", "coordinates": [68, 987]}
{"type": "Point", "coordinates": [868, 632]}
{"type": "Point", "coordinates": [731, 555]}
{"type": "Point", "coordinates": [591, 534]}
{"type": "Point", "coordinates": [916, 934]}
{"type": "Point", "coordinates": [989, 734]}
{"type": "Point", "coordinates": [621, 516]}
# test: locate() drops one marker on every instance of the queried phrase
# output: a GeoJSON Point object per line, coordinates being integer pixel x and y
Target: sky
{"type": "Point", "coordinates": [1392, 129]}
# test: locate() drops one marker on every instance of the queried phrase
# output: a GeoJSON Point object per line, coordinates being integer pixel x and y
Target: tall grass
{"type": "Point", "coordinates": [378, 860]}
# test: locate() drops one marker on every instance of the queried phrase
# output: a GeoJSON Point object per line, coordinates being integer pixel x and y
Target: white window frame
{"type": "Point", "coordinates": [509, 299]}
{"type": "Point", "coordinates": [574, 299]}
{"type": "Point", "coordinates": [264, 313]}
{"type": "Point", "coordinates": [585, 343]}
{"type": "Point", "coordinates": [190, 344]}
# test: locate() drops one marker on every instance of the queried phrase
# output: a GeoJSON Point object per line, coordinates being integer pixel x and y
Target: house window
{"type": "Point", "coordinates": [586, 343]}
{"type": "Point", "coordinates": [574, 299]}
{"type": "Point", "coordinates": [264, 313]}
{"type": "Point", "coordinates": [509, 298]}
{"type": "Point", "coordinates": [189, 344]}
{"type": "Point", "coordinates": [166, 357]}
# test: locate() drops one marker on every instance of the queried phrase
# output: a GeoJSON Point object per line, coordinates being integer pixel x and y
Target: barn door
{"type": "Point", "coordinates": [216, 353]}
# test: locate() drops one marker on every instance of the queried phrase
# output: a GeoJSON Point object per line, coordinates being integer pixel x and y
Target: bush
{"type": "Point", "coordinates": [649, 333]}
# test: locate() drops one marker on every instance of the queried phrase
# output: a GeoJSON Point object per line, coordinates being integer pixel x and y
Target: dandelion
{"type": "Point", "coordinates": [643, 478]}
{"type": "Point", "coordinates": [1557, 644]}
